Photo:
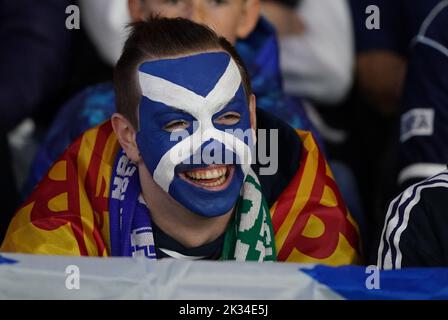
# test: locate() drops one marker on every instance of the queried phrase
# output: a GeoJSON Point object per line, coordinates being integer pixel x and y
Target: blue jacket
{"type": "Point", "coordinates": [96, 104]}
{"type": "Point", "coordinates": [34, 57]}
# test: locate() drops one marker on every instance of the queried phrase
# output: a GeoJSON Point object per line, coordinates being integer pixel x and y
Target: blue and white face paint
{"type": "Point", "coordinates": [203, 96]}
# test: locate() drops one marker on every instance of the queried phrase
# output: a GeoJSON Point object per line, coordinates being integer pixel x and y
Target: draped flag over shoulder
{"type": "Point", "coordinates": [68, 212]}
{"type": "Point", "coordinates": [311, 222]}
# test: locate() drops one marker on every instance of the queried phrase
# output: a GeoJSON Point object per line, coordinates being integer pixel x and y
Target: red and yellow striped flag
{"type": "Point", "coordinates": [68, 212]}
{"type": "Point", "coordinates": [311, 222]}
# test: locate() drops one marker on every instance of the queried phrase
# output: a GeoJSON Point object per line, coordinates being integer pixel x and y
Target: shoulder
{"type": "Point", "coordinates": [428, 195]}
{"type": "Point", "coordinates": [100, 142]}
{"type": "Point", "coordinates": [67, 213]}
{"type": "Point", "coordinates": [416, 221]}
{"type": "Point", "coordinates": [433, 31]}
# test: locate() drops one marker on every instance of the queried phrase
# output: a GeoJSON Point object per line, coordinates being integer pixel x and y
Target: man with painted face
{"type": "Point", "coordinates": [237, 20]}
{"type": "Point", "coordinates": [170, 174]}
{"type": "Point", "coordinates": [202, 96]}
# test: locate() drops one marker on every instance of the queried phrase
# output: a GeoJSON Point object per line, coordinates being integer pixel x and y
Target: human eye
{"type": "Point", "coordinates": [171, 2]}
{"type": "Point", "coordinates": [218, 2]}
{"type": "Point", "coordinates": [228, 119]}
{"type": "Point", "coordinates": [176, 125]}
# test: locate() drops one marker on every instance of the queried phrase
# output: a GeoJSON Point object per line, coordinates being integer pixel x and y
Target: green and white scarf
{"type": "Point", "coordinates": [250, 236]}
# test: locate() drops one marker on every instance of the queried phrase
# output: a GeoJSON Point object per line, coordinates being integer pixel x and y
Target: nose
{"type": "Point", "coordinates": [197, 12]}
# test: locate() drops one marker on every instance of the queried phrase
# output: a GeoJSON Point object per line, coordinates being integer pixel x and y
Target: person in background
{"type": "Point", "coordinates": [316, 47]}
{"type": "Point", "coordinates": [423, 150]}
{"type": "Point", "coordinates": [33, 56]}
{"type": "Point", "coordinates": [317, 60]}
{"type": "Point", "coordinates": [105, 21]}
{"type": "Point", "coordinates": [43, 63]}
{"type": "Point", "coordinates": [414, 230]}
{"type": "Point", "coordinates": [382, 54]}
{"type": "Point", "coordinates": [382, 57]}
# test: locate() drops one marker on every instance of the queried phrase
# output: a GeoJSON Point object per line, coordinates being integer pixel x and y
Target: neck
{"type": "Point", "coordinates": [186, 227]}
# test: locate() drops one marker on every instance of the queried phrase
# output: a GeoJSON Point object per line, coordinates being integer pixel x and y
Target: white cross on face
{"type": "Point", "coordinates": [202, 109]}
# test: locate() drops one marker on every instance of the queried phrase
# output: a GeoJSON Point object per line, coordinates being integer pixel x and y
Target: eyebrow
{"type": "Point", "coordinates": [169, 109]}
{"type": "Point", "coordinates": [175, 109]}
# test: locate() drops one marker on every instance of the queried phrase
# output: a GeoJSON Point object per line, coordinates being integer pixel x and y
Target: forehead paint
{"type": "Point", "coordinates": [175, 95]}
{"type": "Point", "coordinates": [188, 72]}
{"type": "Point", "coordinates": [200, 87]}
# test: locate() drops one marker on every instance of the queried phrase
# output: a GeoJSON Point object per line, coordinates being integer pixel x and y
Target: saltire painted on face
{"type": "Point", "coordinates": [196, 90]}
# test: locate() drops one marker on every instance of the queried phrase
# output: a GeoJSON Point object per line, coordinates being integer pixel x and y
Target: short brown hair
{"type": "Point", "coordinates": [158, 38]}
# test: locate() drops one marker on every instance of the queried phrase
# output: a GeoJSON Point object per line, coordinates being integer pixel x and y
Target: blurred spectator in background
{"type": "Point", "coordinates": [42, 64]}
{"type": "Point", "coordinates": [424, 106]}
{"type": "Point", "coordinates": [317, 60]}
{"type": "Point", "coordinates": [414, 232]}
{"type": "Point", "coordinates": [105, 22]}
{"type": "Point", "coordinates": [382, 55]}
{"type": "Point", "coordinates": [33, 58]}
{"type": "Point", "coordinates": [317, 57]}
{"type": "Point", "coordinates": [57, 63]}
{"type": "Point", "coordinates": [33, 65]}
{"type": "Point", "coordinates": [316, 47]}
{"type": "Point", "coordinates": [372, 109]}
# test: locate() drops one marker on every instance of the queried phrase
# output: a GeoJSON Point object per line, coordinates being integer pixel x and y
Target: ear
{"type": "Point", "coordinates": [249, 18]}
{"type": "Point", "coordinates": [253, 112]}
{"type": "Point", "coordinates": [136, 10]}
{"type": "Point", "coordinates": [126, 135]}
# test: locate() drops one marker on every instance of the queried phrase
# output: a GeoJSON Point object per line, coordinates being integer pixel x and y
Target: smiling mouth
{"type": "Point", "coordinates": [213, 178]}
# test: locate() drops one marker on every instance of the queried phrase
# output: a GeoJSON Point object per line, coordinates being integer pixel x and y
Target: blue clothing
{"type": "Point", "coordinates": [424, 108]}
{"type": "Point", "coordinates": [33, 58]}
{"type": "Point", "coordinates": [96, 104]}
{"type": "Point", "coordinates": [260, 54]}
{"type": "Point", "coordinates": [34, 53]}
{"type": "Point", "coordinates": [399, 23]}
{"type": "Point", "coordinates": [414, 232]}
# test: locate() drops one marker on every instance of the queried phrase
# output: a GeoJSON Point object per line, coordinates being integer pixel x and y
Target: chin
{"type": "Point", "coordinates": [209, 191]}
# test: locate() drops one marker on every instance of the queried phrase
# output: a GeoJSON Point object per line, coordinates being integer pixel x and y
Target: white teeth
{"type": "Point", "coordinates": [207, 174]}
{"type": "Point", "coordinates": [217, 183]}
